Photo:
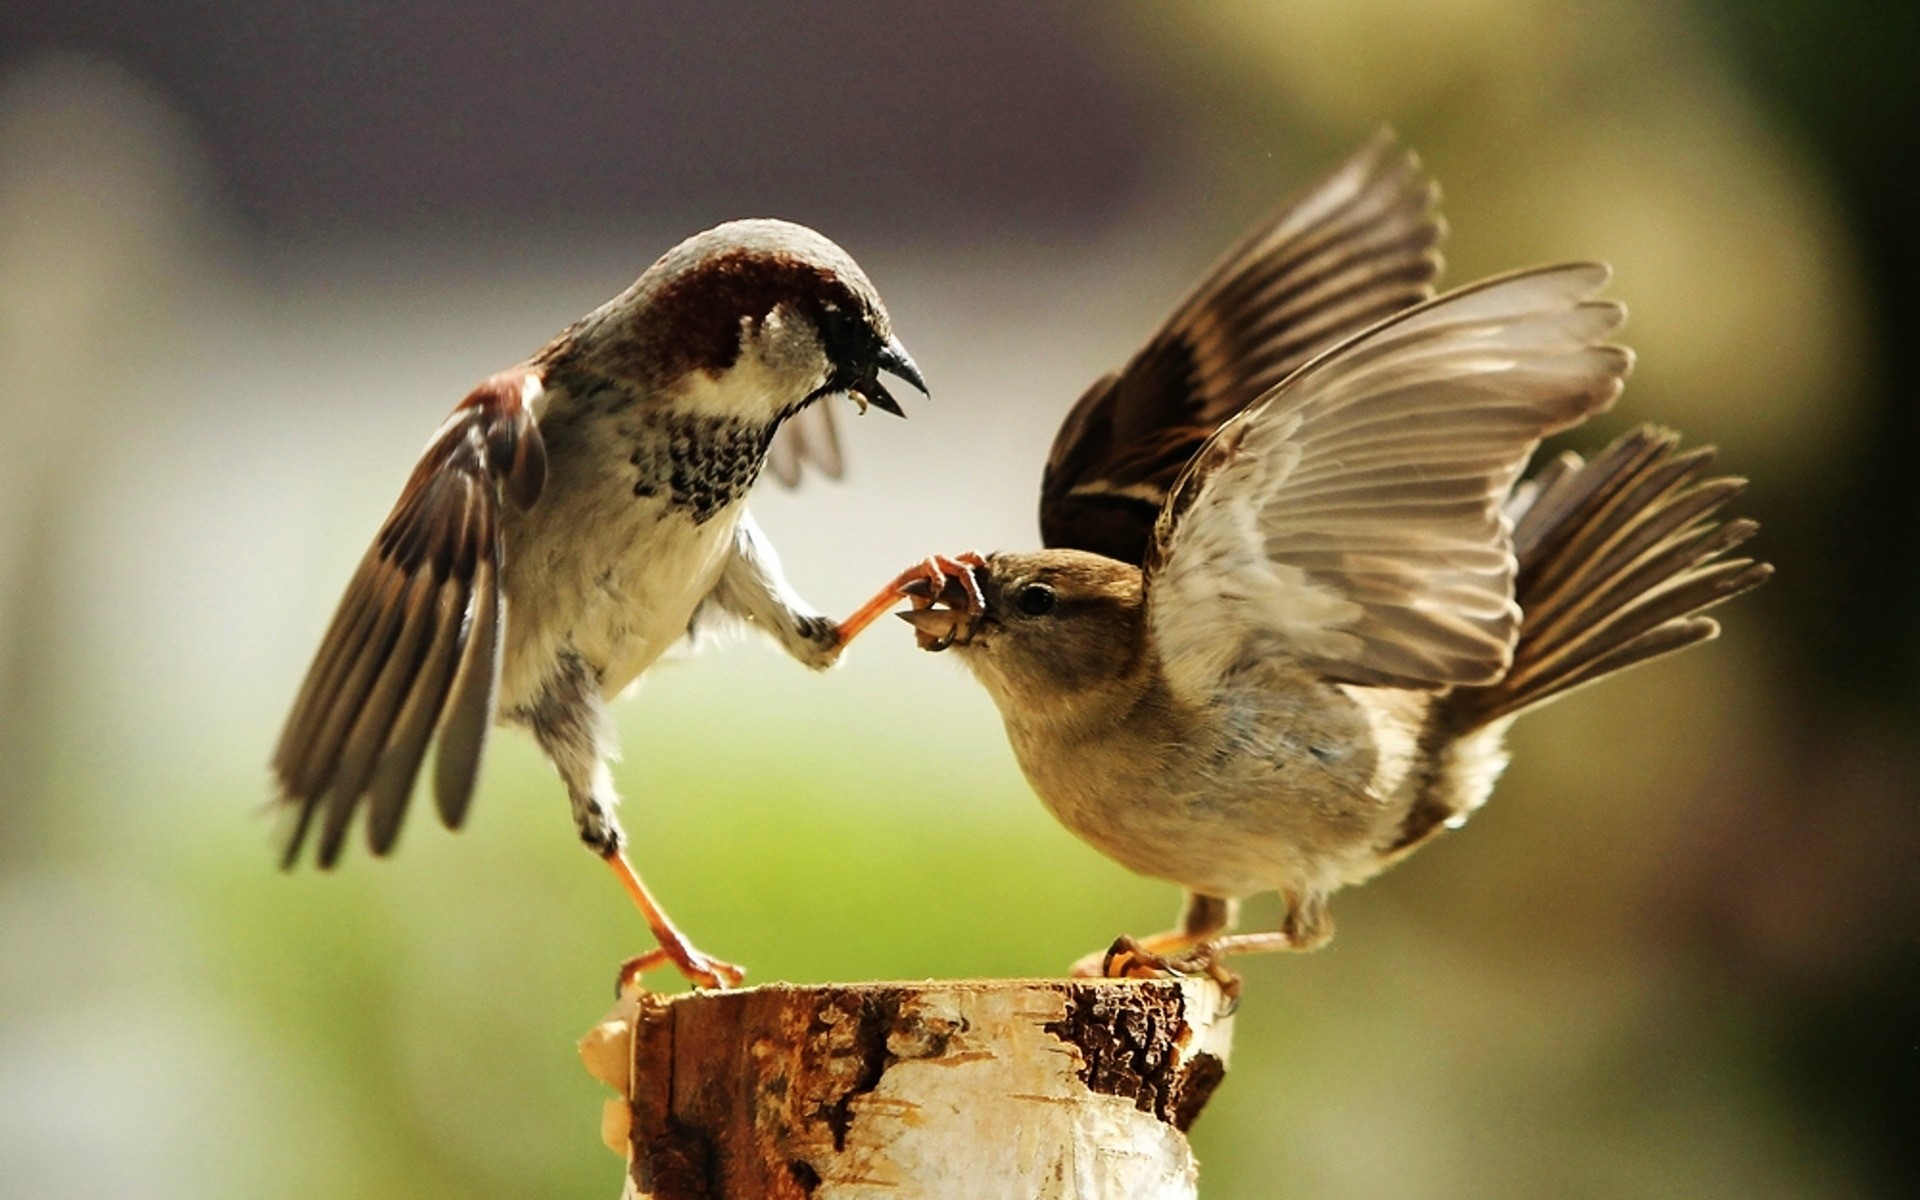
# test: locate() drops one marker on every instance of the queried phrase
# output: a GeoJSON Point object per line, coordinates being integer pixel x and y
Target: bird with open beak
{"type": "Point", "coordinates": [1293, 593]}
{"type": "Point", "coordinates": [576, 516]}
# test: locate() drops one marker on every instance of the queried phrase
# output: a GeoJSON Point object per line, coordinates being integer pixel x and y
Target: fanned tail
{"type": "Point", "coordinates": [1619, 558]}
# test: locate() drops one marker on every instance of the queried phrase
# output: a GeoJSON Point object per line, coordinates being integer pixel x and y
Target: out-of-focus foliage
{"type": "Point", "coordinates": [1676, 955]}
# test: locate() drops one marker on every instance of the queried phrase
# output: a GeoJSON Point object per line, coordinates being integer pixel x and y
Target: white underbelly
{"type": "Point", "coordinates": [618, 595]}
{"type": "Point", "coordinates": [648, 602]}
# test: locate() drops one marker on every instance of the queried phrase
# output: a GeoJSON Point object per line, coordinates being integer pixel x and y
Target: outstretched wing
{"type": "Point", "coordinates": [1353, 519]}
{"type": "Point", "coordinates": [414, 649]}
{"type": "Point", "coordinates": [1353, 249]}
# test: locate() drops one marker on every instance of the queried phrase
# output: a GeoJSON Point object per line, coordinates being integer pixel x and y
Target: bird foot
{"type": "Point", "coordinates": [1127, 958]}
{"type": "Point", "coordinates": [946, 598]}
{"type": "Point", "coordinates": [924, 581]}
{"type": "Point", "coordinates": [698, 968]}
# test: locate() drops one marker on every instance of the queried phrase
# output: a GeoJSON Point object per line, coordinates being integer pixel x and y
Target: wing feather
{"type": "Point", "coordinates": [809, 437]}
{"type": "Point", "coordinates": [413, 726]}
{"type": "Point", "coordinates": [1355, 519]}
{"type": "Point", "coordinates": [1353, 249]}
{"type": "Point", "coordinates": [470, 711]}
{"type": "Point", "coordinates": [414, 648]}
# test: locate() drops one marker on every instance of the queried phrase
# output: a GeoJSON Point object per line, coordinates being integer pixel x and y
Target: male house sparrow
{"type": "Point", "coordinates": [570, 521]}
{"type": "Point", "coordinates": [1282, 627]}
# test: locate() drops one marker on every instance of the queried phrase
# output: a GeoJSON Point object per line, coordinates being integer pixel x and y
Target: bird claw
{"type": "Point", "coordinates": [698, 968]}
{"type": "Point", "coordinates": [947, 587]}
{"type": "Point", "coordinates": [925, 583]}
{"type": "Point", "coordinates": [705, 971]}
{"type": "Point", "coordinates": [1128, 959]}
{"type": "Point", "coordinates": [938, 579]}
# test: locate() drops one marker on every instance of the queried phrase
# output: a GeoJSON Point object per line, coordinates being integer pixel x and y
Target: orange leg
{"type": "Point", "coordinates": [1171, 955]}
{"type": "Point", "coordinates": [699, 968]}
{"type": "Point", "coordinates": [1271, 942]}
{"type": "Point", "coordinates": [936, 570]}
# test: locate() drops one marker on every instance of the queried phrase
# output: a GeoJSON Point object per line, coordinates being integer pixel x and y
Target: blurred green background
{"type": "Point", "coordinates": [251, 253]}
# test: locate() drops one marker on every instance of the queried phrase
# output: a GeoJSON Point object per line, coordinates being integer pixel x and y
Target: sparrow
{"type": "Point", "coordinates": [1294, 593]}
{"type": "Point", "coordinates": [575, 517]}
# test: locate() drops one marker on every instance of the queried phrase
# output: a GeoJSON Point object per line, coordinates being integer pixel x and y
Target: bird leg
{"type": "Point", "coordinates": [1201, 943]}
{"type": "Point", "coordinates": [752, 588]}
{"type": "Point", "coordinates": [568, 718]}
{"type": "Point", "coordinates": [699, 968]}
{"type": "Point", "coordinates": [1269, 942]}
{"type": "Point", "coordinates": [933, 573]}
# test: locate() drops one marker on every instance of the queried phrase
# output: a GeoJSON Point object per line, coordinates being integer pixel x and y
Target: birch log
{"type": "Point", "coordinates": [975, 1090]}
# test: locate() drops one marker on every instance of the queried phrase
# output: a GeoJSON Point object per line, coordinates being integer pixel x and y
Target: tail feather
{"type": "Point", "coordinates": [1670, 582]}
{"type": "Point", "coordinates": [1586, 540]}
{"type": "Point", "coordinates": [1618, 559]}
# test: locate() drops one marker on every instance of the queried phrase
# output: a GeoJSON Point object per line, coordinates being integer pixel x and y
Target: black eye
{"type": "Point", "coordinates": [1035, 599]}
{"type": "Point", "coordinates": [844, 333]}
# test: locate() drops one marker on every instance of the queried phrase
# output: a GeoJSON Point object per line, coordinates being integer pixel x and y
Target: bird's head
{"type": "Point", "coordinates": [752, 320]}
{"type": "Point", "coordinates": [1047, 629]}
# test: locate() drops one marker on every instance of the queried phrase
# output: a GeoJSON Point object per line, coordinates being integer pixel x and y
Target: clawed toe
{"type": "Point", "coordinates": [630, 971]}
{"type": "Point", "coordinates": [1125, 959]}
{"type": "Point", "coordinates": [699, 969]}
{"type": "Point", "coordinates": [1128, 959]}
{"type": "Point", "coordinates": [704, 972]}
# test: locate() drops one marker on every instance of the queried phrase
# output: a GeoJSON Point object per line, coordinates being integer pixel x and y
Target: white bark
{"type": "Point", "coordinates": [1068, 1090]}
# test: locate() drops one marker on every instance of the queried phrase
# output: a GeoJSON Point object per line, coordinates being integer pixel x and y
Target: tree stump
{"type": "Point", "coordinates": [1065, 1089]}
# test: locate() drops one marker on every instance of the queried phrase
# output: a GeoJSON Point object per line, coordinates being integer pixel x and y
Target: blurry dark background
{"type": "Point", "coordinates": [250, 253]}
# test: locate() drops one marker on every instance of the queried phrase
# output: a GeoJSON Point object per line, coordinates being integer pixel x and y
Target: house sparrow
{"type": "Point", "coordinates": [575, 517]}
{"type": "Point", "coordinates": [1281, 628]}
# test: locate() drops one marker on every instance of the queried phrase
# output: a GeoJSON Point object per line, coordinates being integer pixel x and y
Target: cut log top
{"type": "Point", "coordinates": [1068, 1089]}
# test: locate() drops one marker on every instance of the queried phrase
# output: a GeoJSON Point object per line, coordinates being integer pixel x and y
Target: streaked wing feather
{"type": "Point", "coordinates": [384, 680]}
{"type": "Point", "coordinates": [1353, 249]}
{"type": "Point", "coordinates": [456, 767]}
{"type": "Point", "coordinates": [413, 727]}
{"type": "Point", "coordinates": [1354, 518]}
{"type": "Point", "coordinates": [373, 717]}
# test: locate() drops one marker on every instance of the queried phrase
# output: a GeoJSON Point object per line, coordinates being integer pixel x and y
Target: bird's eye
{"type": "Point", "coordinates": [1035, 599]}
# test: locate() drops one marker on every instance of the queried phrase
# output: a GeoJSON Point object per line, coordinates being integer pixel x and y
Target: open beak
{"type": "Point", "coordinates": [894, 360]}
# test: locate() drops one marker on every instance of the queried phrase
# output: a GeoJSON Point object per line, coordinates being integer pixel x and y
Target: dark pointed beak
{"type": "Point", "coordinates": [876, 394]}
{"type": "Point", "coordinates": [894, 360]}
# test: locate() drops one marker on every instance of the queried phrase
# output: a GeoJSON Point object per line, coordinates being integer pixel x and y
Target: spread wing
{"type": "Point", "coordinates": [414, 649]}
{"type": "Point", "coordinates": [807, 438]}
{"type": "Point", "coordinates": [1353, 518]}
{"type": "Point", "coordinates": [1350, 251]}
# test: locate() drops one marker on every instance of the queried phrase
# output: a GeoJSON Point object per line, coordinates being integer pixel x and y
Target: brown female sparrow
{"type": "Point", "coordinates": [1293, 600]}
{"type": "Point", "coordinates": [575, 517]}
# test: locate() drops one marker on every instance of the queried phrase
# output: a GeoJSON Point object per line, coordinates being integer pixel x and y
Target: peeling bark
{"type": "Point", "coordinates": [1076, 1090]}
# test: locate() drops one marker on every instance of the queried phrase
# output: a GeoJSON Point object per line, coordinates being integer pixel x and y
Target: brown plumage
{"type": "Point", "coordinates": [1345, 597]}
{"type": "Point", "coordinates": [1357, 247]}
{"type": "Point", "coordinates": [414, 647]}
{"type": "Point", "coordinates": [1619, 560]}
{"type": "Point", "coordinates": [576, 516]}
